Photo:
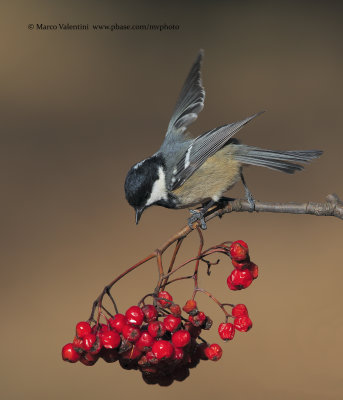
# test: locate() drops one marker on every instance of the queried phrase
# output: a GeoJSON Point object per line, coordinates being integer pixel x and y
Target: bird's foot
{"type": "Point", "coordinates": [251, 201]}
{"type": "Point", "coordinates": [197, 215]}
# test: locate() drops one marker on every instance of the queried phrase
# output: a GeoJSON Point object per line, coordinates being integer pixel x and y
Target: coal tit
{"type": "Point", "coordinates": [188, 171]}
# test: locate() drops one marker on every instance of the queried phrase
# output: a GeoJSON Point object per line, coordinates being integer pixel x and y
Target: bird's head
{"type": "Point", "coordinates": [145, 184]}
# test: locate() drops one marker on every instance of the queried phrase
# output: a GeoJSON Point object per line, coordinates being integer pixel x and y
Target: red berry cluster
{"type": "Point", "coordinates": [245, 271]}
{"type": "Point", "coordinates": [155, 339]}
{"type": "Point", "coordinates": [241, 323]}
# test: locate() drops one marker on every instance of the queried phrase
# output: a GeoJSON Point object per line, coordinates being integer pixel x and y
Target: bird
{"type": "Point", "coordinates": [186, 172]}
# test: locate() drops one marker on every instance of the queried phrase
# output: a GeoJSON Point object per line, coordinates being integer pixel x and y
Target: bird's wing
{"type": "Point", "coordinates": [202, 148]}
{"type": "Point", "coordinates": [190, 101]}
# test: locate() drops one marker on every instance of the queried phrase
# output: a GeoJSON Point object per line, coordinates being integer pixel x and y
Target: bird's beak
{"type": "Point", "coordinates": [139, 212]}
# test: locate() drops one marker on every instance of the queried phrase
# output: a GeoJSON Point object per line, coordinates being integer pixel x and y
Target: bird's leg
{"type": "Point", "coordinates": [248, 194]}
{"type": "Point", "coordinates": [199, 214]}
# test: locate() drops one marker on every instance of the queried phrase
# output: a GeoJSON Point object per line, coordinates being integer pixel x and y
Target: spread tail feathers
{"type": "Point", "coordinates": [278, 160]}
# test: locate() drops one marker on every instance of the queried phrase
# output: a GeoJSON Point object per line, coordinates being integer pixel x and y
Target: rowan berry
{"type": "Point", "coordinates": [89, 341]}
{"type": "Point", "coordinates": [78, 344]}
{"type": "Point", "coordinates": [171, 323]}
{"type": "Point", "coordinates": [226, 331]}
{"type": "Point", "coordinates": [181, 338]}
{"type": "Point", "coordinates": [239, 310]}
{"type": "Point", "coordinates": [213, 352]}
{"type": "Point", "coordinates": [69, 353]}
{"type": "Point", "coordinates": [156, 329]}
{"type": "Point", "coordinates": [178, 353]}
{"type": "Point", "coordinates": [89, 359]}
{"type": "Point", "coordinates": [117, 322]}
{"type": "Point", "coordinates": [145, 342]}
{"type": "Point", "coordinates": [253, 268]}
{"type": "Point", "coordinates": [109, 355]}
{"type": "Point", "coordinates": [241, 279]}
{"type": "Point", "coordinates": [243, 323]}
{"type": "Point", "coordinates": [110, 339]}
{"type": "Point", "coordinates": [239, 250]}
{"type": "Point", "coordinates": [175, 310]}
{"type": "Point", "coordinates": [83, 329]}
{"type": "Point", "coordinates": [198, 319]}
{"type": "Point", "coordinates": [190, 306]}
{"type": "Point", "coordinates": [131, 333]}
{"type": "Point", "coordinates": [165, 299]}
{"type": "Point", "coordinates": [150, 313]}
{"type": "Point", "coordinates": [134, 316]}
{"type": "Point", "coordinates": [162, 349]}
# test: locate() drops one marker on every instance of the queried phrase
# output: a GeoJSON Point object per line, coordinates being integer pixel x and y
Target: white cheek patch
{"type": "Point", "coordinates": [159, 190]}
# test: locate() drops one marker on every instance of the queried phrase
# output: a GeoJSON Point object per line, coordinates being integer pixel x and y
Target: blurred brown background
{"type": "Point", "coordinates": [78, 108]}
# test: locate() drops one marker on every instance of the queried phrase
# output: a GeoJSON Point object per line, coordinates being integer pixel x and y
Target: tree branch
{"type": "Point", "coordinates": [332, 207]}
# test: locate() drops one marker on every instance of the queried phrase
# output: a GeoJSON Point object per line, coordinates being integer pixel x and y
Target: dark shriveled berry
{"type": "Point", "coordinates": [150, 313]}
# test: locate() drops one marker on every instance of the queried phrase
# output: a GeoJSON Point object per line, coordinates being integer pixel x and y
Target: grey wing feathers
{"type": "Point", "coordinates": [277, 160]}
{"type": "Point", "coordinates": [190, 102]}
{"type": "Point", "coordinates": [203, 147]}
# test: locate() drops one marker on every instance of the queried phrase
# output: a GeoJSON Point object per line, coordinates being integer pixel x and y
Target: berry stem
{"type": "Point", "coordinates": [214, 299]}
{"type": "Point", "coordinates": [171, 265]}
{"type": "Point", "coordinates": [195, 275]}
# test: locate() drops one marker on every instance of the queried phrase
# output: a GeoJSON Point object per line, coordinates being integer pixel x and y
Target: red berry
{"type": "Point", "coordinates": [171, 323]}
{"type": "Point", "coordinates": [181, 338]}
{"type": "Point", "coordinates": [150, 313]}
{"type": "Point", "coordinates": [226, 331]}
{"type": "Point", "coordinates": [241, 279]}
{"type": "Point", "coordinates": [253, 268]}
{"type": "Point", "coordinates": [213, 352]}
{"type": "Point", "coordinates": [175, 309]}
{"type": "Point", "coordinates": [89, 359]}
{"type": "Point", "coordinates": [131, 333]}
{"type": "Point", "coordinates": [77, 343]}
{"type": "Point", "coordinates": [110, 339]}
{"type": "Point", "coordinates": [239, 310]}
{"type": "Point", "coordinates": [239, 250]}
{"type": "Point", "coordinates": [243, 323]}
{"type": "Point", "coordinates": [162, 349]}
{"type": "Point", "coordinates": [151, 358]}
{"type": "Point", "coordinates": [178, 354]}
{"type": "Point", "coordinates": [134, 316]}
{"type": "Point", "coordinates": [83, 329]}
{"type": "Point", "coordinates": [198, 319]}
{"type": "Point", "coordinates": [69, 353]}
{"type": "Point", "coordinates": [156, 329]}
{"type": "Point", "coordinates": [145, 342]}
{"type": "Point", "coordinates": [109, 355]}
{"type": "Point", "coordinates": [117, 322]}
{"type": "Point", "coordinates": [89, 341]}
{"type": "Point", "coordinates": [168, 299]}
{"type": "Point", "coordinates": [230, 285]}
{"type": "Point", "coordinates": [190, 305]}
